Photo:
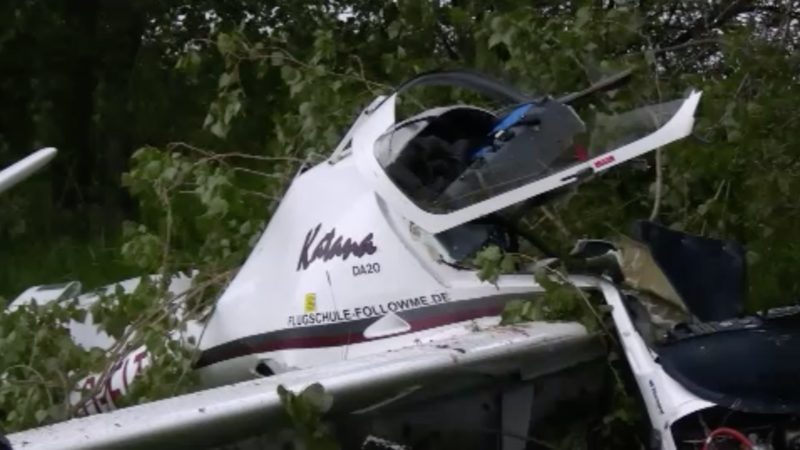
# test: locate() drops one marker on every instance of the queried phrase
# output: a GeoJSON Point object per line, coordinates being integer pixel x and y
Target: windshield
{"type": "Point", "coordinates": [447, 159]}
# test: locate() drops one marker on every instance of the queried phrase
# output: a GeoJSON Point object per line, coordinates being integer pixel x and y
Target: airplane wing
{"type": "Point", "coordinates": [24, 168]}
{"type": "Point", "coordinates": [234, 412]}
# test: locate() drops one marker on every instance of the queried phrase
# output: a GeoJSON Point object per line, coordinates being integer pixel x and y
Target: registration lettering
{"type": "Point", "coordinates": [105, 392]}
{"type": "Point", "coordinates": [367, 311]}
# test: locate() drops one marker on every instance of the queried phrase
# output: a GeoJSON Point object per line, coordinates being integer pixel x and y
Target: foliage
{"type": "Point", "coordinates": [560, 301]}
{"type": "Point", "coordinates": [43, 366]}
{"type": "Point", "coordinates": [491, 262]}
{"type": "Point", "coordinates": [40, 363]}
{"type": "Point", "coordinates": [305, 411]}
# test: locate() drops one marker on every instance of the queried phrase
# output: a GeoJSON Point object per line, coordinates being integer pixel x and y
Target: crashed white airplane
{"type": "Point", "coordinates": [359, 283]}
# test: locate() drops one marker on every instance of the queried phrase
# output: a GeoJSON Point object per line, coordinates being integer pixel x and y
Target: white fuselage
{"type": "Point", "coordinates": [336, 275]}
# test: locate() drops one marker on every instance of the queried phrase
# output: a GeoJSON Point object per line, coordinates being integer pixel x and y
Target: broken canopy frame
{"type": "Point", "coordinates": [383, 116]}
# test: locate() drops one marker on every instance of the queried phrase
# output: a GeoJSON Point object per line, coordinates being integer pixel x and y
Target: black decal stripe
{"type": "Point", "coordinates": [344, 333]}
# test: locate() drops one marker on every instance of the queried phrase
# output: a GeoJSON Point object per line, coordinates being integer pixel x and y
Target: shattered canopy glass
{"type": "Point", "coordinates": [448, 158]}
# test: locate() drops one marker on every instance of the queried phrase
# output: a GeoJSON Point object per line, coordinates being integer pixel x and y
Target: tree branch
{"type": "Point", "coordinates": [693, 43]}
{"type": "Point", "coordinates": [722, 14]}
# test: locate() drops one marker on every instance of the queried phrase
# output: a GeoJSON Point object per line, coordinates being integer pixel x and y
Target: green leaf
{"type": "Point", "coordinates": [277, 58]}
{"type": "Point", "coordinates": [488, 262]}
{"type": "Point", "coordinates": [495, 39]}
{"type": "Point", "coordinates": [582, 17]}
{"type": "Point", "coordinates": [508, 263]}
{"type": "Point", "coordinates": [219, 129]}
{"type": "Point", "coordinates": [225, 80]}
{"type": "Point", "coordinates": [498, 23]}
{"type": "Point", "coordinates": [217, 206]}
{"type": "Point", "coordinates": [393, 30]}
{"type": "Point", "coordinates": [512, 312]}
{"type": "Point", "coordinates": [225, 44]}
{"type": "Point", "coordinates": [189, 62]}
{"type": "Point", "coordinates": [289, 74]}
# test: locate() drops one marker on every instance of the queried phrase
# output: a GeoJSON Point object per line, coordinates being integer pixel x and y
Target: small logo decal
{"type": "Point", "coordinates": [604, 161]}
{"type": "Point", "coordinates": [310, 303]}
{"type": "Point", "coordinates": [332, 246]}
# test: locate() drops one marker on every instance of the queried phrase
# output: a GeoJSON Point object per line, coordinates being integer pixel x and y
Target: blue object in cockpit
{"type": "Point", "coordinates": [503, 124]}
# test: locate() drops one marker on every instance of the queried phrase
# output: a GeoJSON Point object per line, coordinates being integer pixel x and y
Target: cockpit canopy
{"type": "Point", "coordinates": [463, 155]}
{"type": "Point", "coordinates": [451, 167]}
{"type": "Point", "coordinates": [448, 158]}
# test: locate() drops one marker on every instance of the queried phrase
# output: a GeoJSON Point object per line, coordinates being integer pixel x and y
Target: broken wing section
{"type": "Point", "coordinates": [219, 416]}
